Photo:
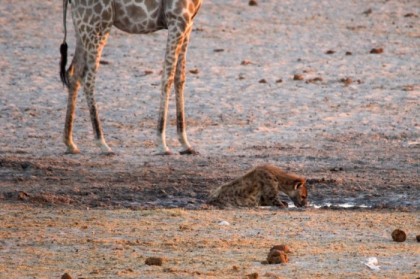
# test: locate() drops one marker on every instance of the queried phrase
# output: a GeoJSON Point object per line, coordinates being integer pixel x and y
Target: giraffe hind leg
{"type": "Point", "coordinates": [73, 77]}
{"type": "Point", "coordinates": [179, 92]}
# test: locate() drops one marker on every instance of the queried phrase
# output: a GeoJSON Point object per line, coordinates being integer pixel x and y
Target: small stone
{"type": "Point", "coordinates": [219, 50]}
{"type": "Point", "coordinates": [281, 247]}
{"type": "Point", "coordinates": [246, 62]}
{"type": "Point", "coordinates": [330, 51]}
{"type": "Point", "coordinates": [377, 50]}
{"type": "Point", "coordinates": [314, 80]}
{"type": "Point", "coordinates": [298, 77]}
{"type": "Point", "coordinates": [279, 80]}
{"type": "Point", "coordinates": [253, 3]}
{"type": "Point", "coordinates": [252, 276]}
{"type": "Point", "coordinates": [194, 71]}
{"type": "Point", "coordinates": [410, 15]}
{"type": "Point", "coordinates": [398, 235]}
{"type": "Point", "coordinates": [66, 276]}
{"type": "Point", "coordinates": [347, 81]}
{"type": "Point", "coordinates": [349, 53]}
{"type": "Point", "coordinates": [262, 81]}
{"type": "Point", "coordinates": [367, 12]}
{"type": "Point", "coordinates": [277, 257]}
{"type": "Point", "coordinates": [154, 261]}
{"type": "Point", "coordinates": [418, 238]}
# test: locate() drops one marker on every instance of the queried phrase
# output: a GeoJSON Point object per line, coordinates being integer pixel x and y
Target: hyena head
{"type": "Point", "coordinates": [299, 193]}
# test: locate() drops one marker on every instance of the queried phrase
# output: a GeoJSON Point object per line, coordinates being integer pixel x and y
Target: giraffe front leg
{"type": "Point", "coordinates": [179, 92]}
{"type": "Point", "coordinates": [89, 85]}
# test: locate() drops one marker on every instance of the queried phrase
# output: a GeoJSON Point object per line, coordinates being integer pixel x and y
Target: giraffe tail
{"type": "Point", "coordinates": [63, 49]}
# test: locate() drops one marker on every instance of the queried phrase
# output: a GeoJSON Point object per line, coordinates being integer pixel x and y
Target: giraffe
{"type": "Point", "coordinates": [93, 20]}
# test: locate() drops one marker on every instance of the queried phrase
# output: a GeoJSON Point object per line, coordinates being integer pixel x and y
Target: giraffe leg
{"type": "Point", "coordinates": [173, 47]}
{"type": "Point", "coordinates": [74, 74]}
{"type": "Point", "coordinates": [179, 92]}
{"type": "Point", "coordinates": [92, 63]}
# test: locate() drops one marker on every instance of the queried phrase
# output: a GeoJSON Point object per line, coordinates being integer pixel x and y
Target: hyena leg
{"type": "Point", "coordinates": [270, 196]}
{"type": "Point", "coordinates": [179, 92]}
{"type": "Point", "coordinates": [74, 74]}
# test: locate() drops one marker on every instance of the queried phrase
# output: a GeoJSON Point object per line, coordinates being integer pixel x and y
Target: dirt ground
{"type": "Point", "coordinates": [349, 124]}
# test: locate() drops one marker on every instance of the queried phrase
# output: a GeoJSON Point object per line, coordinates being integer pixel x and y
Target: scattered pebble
{"type": "Point", "coordinates": [252, 276]}
{"type": "Point", "coordinates": [367, 12]}
{"type": "Point", "coordinates": [262, 81]}
{"type": "Point", "coordinates": [410, 15]}
{"type": "Point", "coordinates": [418, 238]}
{"type": "Point", "coordinates": [372, 263]}
{"type": "Point", "coordinates": [224, 223]}
{"type": "Point", "coordinates": [219, 50]}
{"type": "Point", "coordinates": [377, 50]}
{"type": "Point", "coordinates": [398, 235]}
{"type": "Point", "coordinates": [104, 62]}
{"type": "Point", "coordinates": [253, 3]}
{"type": "Point", "coordinates": [349, 53]}
{"type": "Point", "coordinates": [314, 80]}
{"type": "Point", "coordinates": [246, 62]}
{"type": "Point", "coordinates": [279, 80]}
{"type": "Point", "coordinates": [148, 72]}
{"type": "Point", "coordinates": [281, 247]}
{"type": "Point", "coordinates": [298, 77]}
{"type": "Point", "coordinates": [66, 276]}
{"type": "Point", "coordinates": [277, 257]}
{"type": "Point", "coordinates": [330, 52]}
{"type": "Point", "coordinates": [154, 261]}
{"type": "Point", "coordinates": [23, 196]}
{"type": "Point", "coordinates": [347, 81]}
{"type": "Point", "coordinates": [194, 71]}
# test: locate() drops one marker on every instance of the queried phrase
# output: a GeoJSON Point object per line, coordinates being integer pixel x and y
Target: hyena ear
{"type": "Point", "coordinates": [298, 184]}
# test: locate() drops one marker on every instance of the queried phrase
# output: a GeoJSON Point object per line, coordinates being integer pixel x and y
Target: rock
{"type": "Point", "coordinates": [281, 247]}
{"type": "Point", "coordinates": [194, 71]}
{"type": "Point", "coordinates": [398, 235]}
{"type": "Point", "coordinates": [253, 3]}
{"type": "Point", "coordinates": [252, 276]}
{"type": "Point", "coordinates": [298, 77]}
{"type": "Point", "coordinates": [154, 261]}
{"type": "Point", "coordinates": [347, 81]}
{"type": "Point", "coordinates": [66, 276]}
{"type": "Point", "coordinates": [418, 238]}
{"type": "Point", "coordinates": [330, 51]}
{"type": "Point", "coordinates": [277, 257]}
{"type": "Point", "coordinates": [377, 50]}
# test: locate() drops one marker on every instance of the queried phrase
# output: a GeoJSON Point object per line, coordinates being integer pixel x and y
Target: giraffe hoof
{"type": "Point", "coordinates": [189, 151]}
{"type": "Point", "coordinates": [164, 153]}
{"type": "Point", "coordinates": [72, 151]}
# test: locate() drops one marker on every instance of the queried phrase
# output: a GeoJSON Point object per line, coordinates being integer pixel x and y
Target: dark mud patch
{"type": "Point", "coordinates": [64, 181]}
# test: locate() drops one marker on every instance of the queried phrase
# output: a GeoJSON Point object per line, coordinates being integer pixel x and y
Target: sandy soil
{"type": "Point", "coordinates": [47, 242]}
{"type": "Point", "coordinates": [351, 126]}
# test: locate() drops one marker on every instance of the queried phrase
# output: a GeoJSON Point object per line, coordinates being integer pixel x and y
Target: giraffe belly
{"type": "Point", "coordinates": [139, 17]}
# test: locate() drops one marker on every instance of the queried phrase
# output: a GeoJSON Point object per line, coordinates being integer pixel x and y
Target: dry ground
{"type": "Point", "coordinates": [46, 242]}
{"type": "Point", "coordinates": [351, 126]}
